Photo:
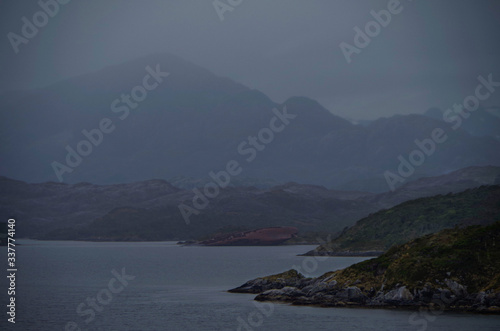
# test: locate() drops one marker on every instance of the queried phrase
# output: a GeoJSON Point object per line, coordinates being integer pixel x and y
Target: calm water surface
{"type": "Point", "coordinates": [183, 288]}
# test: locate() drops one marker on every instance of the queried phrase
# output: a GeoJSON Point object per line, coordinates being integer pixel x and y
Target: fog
{"type": "Point", "coordinates": [429, 54]}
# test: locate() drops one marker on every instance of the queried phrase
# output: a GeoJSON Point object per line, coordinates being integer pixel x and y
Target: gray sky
{"type": "Point", "coordinates": [428, 55]}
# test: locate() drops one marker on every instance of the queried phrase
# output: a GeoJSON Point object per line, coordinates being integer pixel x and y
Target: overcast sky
{"type": "Point", "coordinates": [428, 55]}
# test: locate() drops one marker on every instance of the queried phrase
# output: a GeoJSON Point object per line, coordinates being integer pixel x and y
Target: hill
{"type": "Point", "coordinates": [455, 269]}
{"type": "Point", "coordinates": [385, 228]}
{"type": "Point", "coordinates": [148, 210]}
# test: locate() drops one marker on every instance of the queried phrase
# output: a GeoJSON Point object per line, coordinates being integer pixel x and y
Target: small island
{"type": "Point", "coordinates": [454, 269]}
{"type": "Point", "coordinates": [259, 237]}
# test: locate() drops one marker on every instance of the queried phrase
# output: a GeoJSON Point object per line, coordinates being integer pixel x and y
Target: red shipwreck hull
{"type": "Point", "coordinates": [260, 237]}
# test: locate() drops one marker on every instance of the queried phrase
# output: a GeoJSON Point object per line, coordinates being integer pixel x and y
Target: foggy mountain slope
{"type": "Point", "coordinates": [453, 182]}
{"type": "Point", "coordinates": [193, 122]}
{"type": "Point", "coordinates": [482, 122]}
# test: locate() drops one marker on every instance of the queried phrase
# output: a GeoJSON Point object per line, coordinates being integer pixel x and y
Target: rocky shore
{"type": "Point", "coordinates": [455, 270]}
{"type": "Point", "coordinates": [325, 291]}
{"type": "Point", "coordinates": [342, 253]}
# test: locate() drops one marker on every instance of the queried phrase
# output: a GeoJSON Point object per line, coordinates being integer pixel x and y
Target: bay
{"type": "Point", "coordinates": [172, 287]}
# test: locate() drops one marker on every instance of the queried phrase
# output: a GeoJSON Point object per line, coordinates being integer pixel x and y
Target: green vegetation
{"type": "Point", "coordinates": [468, 256]}
{"type": "Point", "coordinates": [416, 218]}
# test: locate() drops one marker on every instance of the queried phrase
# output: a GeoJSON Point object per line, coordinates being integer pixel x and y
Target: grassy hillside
{"type": "Point", "coordinates": [469, 256]}
{"type": "Point", "coordinates": [456, 269]}
{"type": "Point", "coordinates": [413, 219]}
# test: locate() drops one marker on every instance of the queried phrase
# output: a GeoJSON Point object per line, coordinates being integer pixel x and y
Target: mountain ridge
{"type": "Point", "coordinates": [195, 121]}
{"type": "Point", "coordinates": [46, 208]}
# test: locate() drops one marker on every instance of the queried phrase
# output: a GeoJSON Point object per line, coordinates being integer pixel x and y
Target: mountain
{"type": "Point", "coordinates": [482, 122]}
{"type": "Point", "coordinates": [234, 209]}
{"type": "Point", "coordinates": [189, 183]}
{"type": "Point", "coordinates": [412, 219]}
{"type": "Point", "coordinates": [454, 182]}
{"type": "Point", "coordinates": [149, 210]}
{"type": "Point", "coordinates": [192, 122]}
{"type": "Point", "coordinates": [44, 207]}
{"type": "Point", "coordinates": [455, 269]}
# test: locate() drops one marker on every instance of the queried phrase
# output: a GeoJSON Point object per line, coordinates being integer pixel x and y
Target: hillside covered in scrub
{"type": "Point", "coordinates": [456, 268]}
{"type": "Point", "coordinates": [412, 219]}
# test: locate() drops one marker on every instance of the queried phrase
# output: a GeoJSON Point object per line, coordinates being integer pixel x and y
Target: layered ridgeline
{"type": "Point", "coordinates": [149, 210]}
{"type": "Point", "coordinates": [193, 122]}
{"type": "Point", "coordinates": [455, 269]}
{"type": "Point", "coordinates": [379, 231]}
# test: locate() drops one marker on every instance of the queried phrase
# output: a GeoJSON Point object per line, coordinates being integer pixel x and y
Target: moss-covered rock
{"type": "Point", "coordinates": [456, 268]}
{"type": "Point", "coordinates": [290, 278]}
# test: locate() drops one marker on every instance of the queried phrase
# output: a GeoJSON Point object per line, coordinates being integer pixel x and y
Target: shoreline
{"type": "Point", "coordinates": [352, 305]}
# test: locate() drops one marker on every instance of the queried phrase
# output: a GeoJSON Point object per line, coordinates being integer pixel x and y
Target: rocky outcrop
{"type": "Point", "coordinates": [292, 287]}
{"type": "Point", "coordinates": [455, 269]}
{"type": "Point", "coordinates": [290, 278]}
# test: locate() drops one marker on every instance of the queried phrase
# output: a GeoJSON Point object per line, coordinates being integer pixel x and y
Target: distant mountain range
{"type": "Point", "coordinates": [193, 122]}
{"type": "Point", "coordinates": [149, 210]}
